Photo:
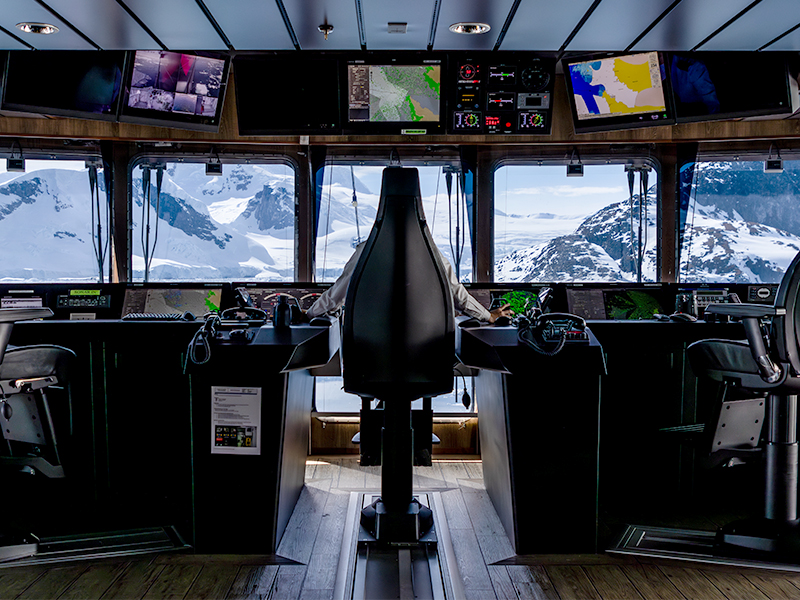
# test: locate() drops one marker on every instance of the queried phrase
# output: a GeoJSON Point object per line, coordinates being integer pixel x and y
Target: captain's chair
{"type": "Point", "coordinates": [398, 341]}
{"type": "Point", "coordinates": [767, 363]}
{"type": "Point", "coordinates": [29, 446]}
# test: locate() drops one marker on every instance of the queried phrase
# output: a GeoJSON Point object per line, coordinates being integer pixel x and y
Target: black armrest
{"type": "Point", "coordinates": [750, 315]}
{"type": "Point", "coordinates": [9, 316]}
{"type": "Point", "coordinates": [741, 311]}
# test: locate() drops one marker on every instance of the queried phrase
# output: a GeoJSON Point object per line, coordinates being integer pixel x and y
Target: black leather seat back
{"type": "Point", "coordinates": [785, 329]}
{"type": "Point", "coordinates": [398, 332]}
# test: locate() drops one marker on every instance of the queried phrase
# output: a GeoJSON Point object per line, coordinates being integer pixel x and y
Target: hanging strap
{"type": "Point", "coordinates": [97, 227]}
{"type": "Point", "coordinates": [148, 250]}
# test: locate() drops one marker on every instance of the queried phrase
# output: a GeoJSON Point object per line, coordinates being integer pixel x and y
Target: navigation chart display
{"type": "Point", "coordinates": [394, 93]}
{"type": "Point", "coordinates": [619, 91]}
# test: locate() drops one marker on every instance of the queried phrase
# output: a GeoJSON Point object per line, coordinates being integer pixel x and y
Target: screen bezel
{"type": "Point", "coordinates": [739, 114]}
{"type": "Point", "coordinates": [156, 118]}
{"type": "Point", "coordinates": [5, 105]}
{"type": "Point", "coordinates": [617, 122]}
{"type": "Point", "coordinates": [399, 59]}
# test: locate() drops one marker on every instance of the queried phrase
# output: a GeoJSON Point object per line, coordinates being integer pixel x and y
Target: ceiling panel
{"type": "Point", "coordinates": [251, 24]}
{"type": "Point", "coordinates": [766, 21]}
{"type": "Point", "coordinates": [494, 13]}
{"type": "Point", "coordinates": [107, 24]}
{"type": "Point", "coordinates": [7, 42]}
{"type": "Point", "coordinates": [544, 24]}
{"type": "Point", "coordinates": [306, 17]}
{"type": "Point", "coordinates": [179, 24]}
{"type": "Point", "coordinates": [17, 11]}
{"type": "Point", "coordinates": [616, 23]}
{"type": "Point", "coordinates": [379, 13]}
{"type": "Point", "coordinates": [690, 23]}
{"type": "Point", "coordinates": [789, 42]}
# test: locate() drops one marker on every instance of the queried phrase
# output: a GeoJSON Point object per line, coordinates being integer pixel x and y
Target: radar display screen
{"type": "Point", "coordinates": [519, 301]}
{"type": "Point", "coordinates": [630, 305]}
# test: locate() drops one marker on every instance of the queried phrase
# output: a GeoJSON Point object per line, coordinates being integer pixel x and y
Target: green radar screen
{"type": "Point", "coordinates": [629, 305]}
{"type": "Point", "coordinates": [520, 301]}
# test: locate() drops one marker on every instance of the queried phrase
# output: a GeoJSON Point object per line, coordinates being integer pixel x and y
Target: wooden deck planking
{"type": "Point", "coordinates": [483, 555]}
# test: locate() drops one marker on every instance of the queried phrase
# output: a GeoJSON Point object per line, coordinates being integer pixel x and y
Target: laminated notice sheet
{"type": "Point", "coordinates": [235, 420]}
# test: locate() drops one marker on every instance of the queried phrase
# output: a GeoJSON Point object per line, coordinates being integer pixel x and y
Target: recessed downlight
{"type": "Point", "coordinates": [41, 28]}
{"type": "Point", "coordinates": [469, 28]}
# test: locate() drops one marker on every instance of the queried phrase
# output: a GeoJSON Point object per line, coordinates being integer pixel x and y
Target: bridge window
{"type": "Point", "coordinates": [54, 222]}
{"type": "Point", "coordinates": [237, 226]}
{"type": "Point", "coordinates": [348, 202]}
{"type": "Point", "coordinates": [738, 223]}
{"type": "Point", "coordinates": [601, 226]}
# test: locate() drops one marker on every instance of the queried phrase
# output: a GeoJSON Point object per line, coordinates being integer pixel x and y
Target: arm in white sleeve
{"type": "Point", "coordinates": [334, 296]}
{"type": "Point", "coordinates": [462, 299]}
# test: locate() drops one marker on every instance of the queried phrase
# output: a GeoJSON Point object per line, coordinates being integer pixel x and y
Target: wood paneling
{"type": "Point", "coordinates": [562, 132]}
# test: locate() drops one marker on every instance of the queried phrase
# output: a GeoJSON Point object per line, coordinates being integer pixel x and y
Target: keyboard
{"type": "Point", "coordinates": [153, 317]}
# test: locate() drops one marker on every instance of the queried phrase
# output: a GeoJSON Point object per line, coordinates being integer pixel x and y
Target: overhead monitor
{"type": "Point", "coordinates": [287, 94]}
{"type": "Point", "coordinates": [172, 89]}
{"type": "Point", "coordinates": [710, 86]}
{"type": "Point", "coordinates": [618, 92]}
{"type": "Point", "coordinates": [77, 84]}
{"type": "Point", "coordinates": [394, 96]}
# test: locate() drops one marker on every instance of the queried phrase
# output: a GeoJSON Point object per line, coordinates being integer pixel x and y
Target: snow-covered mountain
{"type": "Point", "coordinates": [45, 226]}
{"type": "Point", "coordinates": [741, 225]}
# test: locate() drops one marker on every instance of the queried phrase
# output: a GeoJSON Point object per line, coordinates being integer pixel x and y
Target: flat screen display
{"type": "Point", "coordinates": [394, 98]}
{"type": "Point", "coordinates": [78, 84]}
{"type": "Point", "coordinates": [197, 301]}
{"type": "Point", "coordinates": [618, 92]}
{"type": "Point", "coordinates": [287, 94]}
{"type": "Point", "coordinates": [713, 86]}
{"type": "Point", "coordinates": [175, 90]}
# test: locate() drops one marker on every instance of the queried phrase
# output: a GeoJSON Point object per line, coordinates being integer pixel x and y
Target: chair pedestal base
{"type": "Point", "coordinates": [397, 527]}
{"type": "Point", "coordinates": [781, 538]}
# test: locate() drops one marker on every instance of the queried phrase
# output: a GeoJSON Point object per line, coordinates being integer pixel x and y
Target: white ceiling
{"type": "Point", "coordinates": [542, 25]}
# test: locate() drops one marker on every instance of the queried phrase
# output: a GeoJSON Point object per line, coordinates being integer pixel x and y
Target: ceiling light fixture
{"type": "Point", "coordinates": [469, 28]}
{"type": "Point", "coordinates": [42, 28]}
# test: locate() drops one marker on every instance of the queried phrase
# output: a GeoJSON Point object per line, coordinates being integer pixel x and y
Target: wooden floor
{"type": "Point", "coordinates": [313, 540]}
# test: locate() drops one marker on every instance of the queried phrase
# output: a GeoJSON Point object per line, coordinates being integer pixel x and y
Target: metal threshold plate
{"type": "Point", "coordinates": [684, 544]}
{"type": "Point", "coordinates": [103, 545]}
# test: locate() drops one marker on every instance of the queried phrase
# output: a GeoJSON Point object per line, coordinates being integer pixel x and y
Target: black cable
{"type": "Point", "coordinates": [201, 340]}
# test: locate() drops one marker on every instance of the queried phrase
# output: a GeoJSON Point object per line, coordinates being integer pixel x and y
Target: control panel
{"type": "Point", "coordinates": [762, 294]}
{"type": "Point", "coordinates": [508, 94]}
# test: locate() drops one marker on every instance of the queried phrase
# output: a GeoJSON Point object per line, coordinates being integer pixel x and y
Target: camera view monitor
{"type": "Point", "coordinates": [171, 89]}
{"type": "Point", "coordinates": [394, 97]}
{"type": "Point", "coordinates": [618, 92]}
{"type": "Point", "coordinates": [77, 84]}
{"type": "Point", "coordinates": [710, 86]}
{"type": "Point", "coordinates": [308, 100]}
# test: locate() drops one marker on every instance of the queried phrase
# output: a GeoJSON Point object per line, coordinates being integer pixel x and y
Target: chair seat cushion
{"type": "Point", "coordinates": [22, 362]}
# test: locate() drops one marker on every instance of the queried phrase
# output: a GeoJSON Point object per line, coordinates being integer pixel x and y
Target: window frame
{"type": "Point", "coordinates": [563, 158]}
{"type": "Point", "coordinates": [715, 152]}
{"type": "Point", "coordinates": [232, 158]}
{"type": "Point", "coordinates": [411, 158]}
{"type": "Point", "coordinates": [88, 153]}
